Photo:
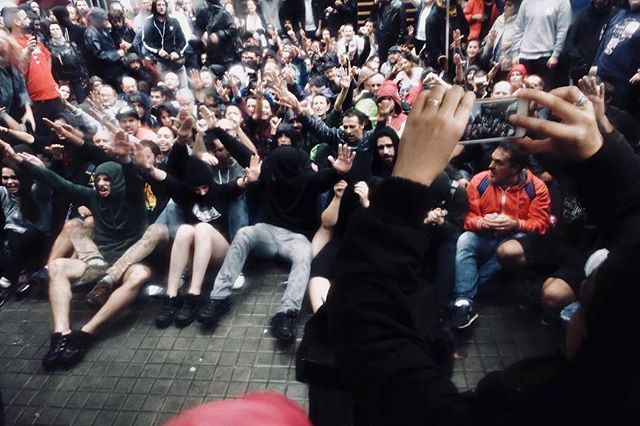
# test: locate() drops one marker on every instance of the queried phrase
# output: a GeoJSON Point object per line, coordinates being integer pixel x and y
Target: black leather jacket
{"type": "Point", "coordinates": [391, 23]}
{"type": "Point", "coordinates": [214, 19]}
{"type": "Point", "coordinates": [102, 54]}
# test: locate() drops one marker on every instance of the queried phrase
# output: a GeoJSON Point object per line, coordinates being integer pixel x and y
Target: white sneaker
{"type": "Point", "coordinates": [239, 282]}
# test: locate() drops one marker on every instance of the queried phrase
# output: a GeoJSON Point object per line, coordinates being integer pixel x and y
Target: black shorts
{"type": "Point", "coordinates": [556, 257]}
{"type": "Point", "coordinates": [322, 264]}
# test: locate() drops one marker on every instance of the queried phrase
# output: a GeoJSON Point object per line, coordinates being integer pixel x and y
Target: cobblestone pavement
{"type": "Point", "coordinates": [136, 374]}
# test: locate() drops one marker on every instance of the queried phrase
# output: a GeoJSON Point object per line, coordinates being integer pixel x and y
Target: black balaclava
{"type": "Point", "coordinates": [197, 174]}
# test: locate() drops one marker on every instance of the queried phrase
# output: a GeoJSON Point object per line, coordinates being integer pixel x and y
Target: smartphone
{"type": "Point", "coordinates": [488, 120]}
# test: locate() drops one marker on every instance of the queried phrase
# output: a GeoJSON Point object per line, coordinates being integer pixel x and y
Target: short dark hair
{"type": "Point", "coordinates": [161, 89]}
{"type": "Point", "coordinates": [517, 156]}
{"type": "Point", "coordinates": [352, 112]}
{"type": "Point", "coordinates": [152, 146]}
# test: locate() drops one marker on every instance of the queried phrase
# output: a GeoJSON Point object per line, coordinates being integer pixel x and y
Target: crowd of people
{"type": "Point", "coordinates": [178, 139]}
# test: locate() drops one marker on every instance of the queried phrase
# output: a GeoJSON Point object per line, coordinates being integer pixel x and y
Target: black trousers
{"type": "Point", "coordinates": [23, 251]}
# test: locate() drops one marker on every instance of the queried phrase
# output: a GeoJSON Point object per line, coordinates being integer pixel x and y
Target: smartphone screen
{"type": "Point", "coordinates": [488, 120]}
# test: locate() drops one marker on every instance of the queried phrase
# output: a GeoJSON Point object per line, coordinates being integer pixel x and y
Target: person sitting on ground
{"type": "Point", "coordinates": [117, 203]}
{"type": "Point", "coordinates": [506, 203]}
{"type": "Point", "coordinates": [288, 188]}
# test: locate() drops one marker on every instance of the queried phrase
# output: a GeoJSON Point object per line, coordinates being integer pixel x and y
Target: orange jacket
{"type": "Point", "coordinates": [475, 7]}
{"type": "Point", "coordinates": [528, 202]}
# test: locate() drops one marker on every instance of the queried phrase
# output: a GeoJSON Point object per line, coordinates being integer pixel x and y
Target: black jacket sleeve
{"type": "Point", "coordinates": [385, 362]}
{"type": "Point", "coordinates": [241, 153]}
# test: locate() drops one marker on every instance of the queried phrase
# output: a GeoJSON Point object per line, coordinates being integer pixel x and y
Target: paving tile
{"type": "Point", "coordinates": [136, 374]}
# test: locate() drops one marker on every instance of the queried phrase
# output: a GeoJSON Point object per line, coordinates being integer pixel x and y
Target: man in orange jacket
{"type": "Point", "coordinates": [506, 203]}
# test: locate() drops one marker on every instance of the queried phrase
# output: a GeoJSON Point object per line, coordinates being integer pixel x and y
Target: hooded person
{"type": "Point", "coordinates": [104, 58]}
{"type": "Point", "coordinates": [285, 134]}
{"type": "Point", "coordinates": [222, 33]}
{"type": "Point", "coordinates": [163, 38]}
{"type": "Point", "coordinates": [288, 188]}
{"type": "Point", "coordinates": [203, 237]}
{"type": "Point", "coordinates": [387, 142]}
{"type": "Point", "coordinates": [72, 32]}
{"type": "Point", "coordinates": [390, 111]}
{"type": "Point", "coordinates": [120, 219]}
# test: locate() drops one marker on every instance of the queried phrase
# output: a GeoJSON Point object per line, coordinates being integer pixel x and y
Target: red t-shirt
{"type": "Point", "coordinates": [41, 85]}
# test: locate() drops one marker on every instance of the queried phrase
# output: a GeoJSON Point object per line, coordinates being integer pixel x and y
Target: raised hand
{"type": "Point", "coordinates": [595, 93]}
{"type": "Point", "coordinates": [208, 116]}
{"type": "Point", "coordinates": [576, 137]}
{"type": "Point", "coordinates": [186, 128]}
{"type": "Point", "coordinates": [56, 150]}
{"type": "Point", "coordinates": [142, 160]}
{"type": "Point", "coordinates": [252, 172]}
{"type": "Point", "coordinates": [435, 125]}
{"type": "Point", "coordinates": [9, 152]}
{"type": "Point", "coordinates": [120, 147]}
{"type": "Point", "coordinates": [344, 162]}
{"type": "Point", "coordinates": [194, 80]}
{"type": "Point", "coordinates": [29, 158]}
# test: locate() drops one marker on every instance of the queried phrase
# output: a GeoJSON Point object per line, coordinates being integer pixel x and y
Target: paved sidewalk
{"type": "Point", "coordinates": [136, 374]}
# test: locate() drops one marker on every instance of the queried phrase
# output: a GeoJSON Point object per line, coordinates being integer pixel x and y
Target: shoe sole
{"type": "Point", "coordinates": [81, 285]}
{"type": "Point", "coordinates": [468, 323]}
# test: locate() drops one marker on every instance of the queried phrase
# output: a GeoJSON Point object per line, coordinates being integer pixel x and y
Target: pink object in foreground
{"type": "Point", "coordinates": [253, 409]}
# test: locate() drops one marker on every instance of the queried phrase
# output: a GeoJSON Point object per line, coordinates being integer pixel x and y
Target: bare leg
{"type": "Point", "coordinates": [510, 254]}
{"type": "Point", "coordinates": [209, 246]}
{"type": "Point", "coordinates": [134, 277]}
{"type": "Point", "coordinates": [152, 237]}
{"type": "Point", "coordinates": [62, 246]}
{"type": "Point", "coordinates": [318, 289]}
{"type": "Point", "coordinates": [180, 255]}
{"type": "Point", "coordinates": [61, 273]}
{"type": "Point", "coordinates": [556, 293]}
{"type": "Point", "coordinates": [320, 239]}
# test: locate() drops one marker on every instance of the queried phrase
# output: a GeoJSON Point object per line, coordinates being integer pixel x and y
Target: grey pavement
{"type": "Point", "coordinates": [136, 374]}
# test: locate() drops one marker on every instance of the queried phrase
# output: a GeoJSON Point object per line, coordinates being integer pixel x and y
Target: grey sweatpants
{"type": "Point", "coordinates": [268, 241]}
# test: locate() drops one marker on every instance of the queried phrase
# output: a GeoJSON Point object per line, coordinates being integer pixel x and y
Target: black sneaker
{"type": "Point", "coordinates": [76, 348]}
{"type": "Point", "coordinates": [213, 310]}
{"type": "Point", "coordinates": [187, 314]}
{"type": "Point", "coordinates": [463, 314]}
{"type": "Point", "coordinates": [58, 344]}
{"type": "Point", "coordinates": [168, 309]}
{"type": "Point", "coordinates": [283, 328]}
{"type": "Point", "coordinates": [39, 278]}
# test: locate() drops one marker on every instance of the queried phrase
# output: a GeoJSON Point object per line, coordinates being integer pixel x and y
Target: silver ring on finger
{"type": "Point", "coordinates": [582, 101]}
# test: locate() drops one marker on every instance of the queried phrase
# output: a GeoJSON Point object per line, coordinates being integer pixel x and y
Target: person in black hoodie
{"type": "Point", "coordinates": [584, 36]}
{"type": "Point", "coordinates": [203, 238]}
{"type": "Point", "coordinates": [289, 190]}
{"type": "Point", "coordinates": [221, 33]}
{"type": "Point", "coordinates": [391, 369]}
{"type": "Point", "coordinates": [162, 37]}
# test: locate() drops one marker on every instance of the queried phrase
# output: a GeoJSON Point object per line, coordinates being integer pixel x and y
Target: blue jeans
{"type": "Point", "coordinates": [476, 261]}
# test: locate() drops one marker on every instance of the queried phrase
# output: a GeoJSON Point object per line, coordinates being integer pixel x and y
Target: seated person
{"type": "Point", "coordinates": [288, 188]}
{"type": "Point", "coordinates": [506, 203]}
{"type": "Point", "coordinates": [120, 219]}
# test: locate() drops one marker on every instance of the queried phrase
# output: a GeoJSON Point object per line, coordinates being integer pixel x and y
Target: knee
{"type": "Point", "coordinates": [302, 254]}
{"type": "Point", "coordinates": [58, 267]}
{"type": "Point", "coordinates": [157, 232]}
{"type": "Point", "coordinates": [184, 232]}
{"type": "Point", "coordinates": [202, 231]}
{"type": "Point", "coordinates": [511, 252]}
{"type": "Point", "coordinates": [244, 234]}
{"type": "Point", "coordinates": [467, 241]}
{"type": "Point", "coordinates": [556, 293]}
{"type": "Point", "coordinates": [70, 225]}
{"type": "Point", "coordinates": [136, 275]}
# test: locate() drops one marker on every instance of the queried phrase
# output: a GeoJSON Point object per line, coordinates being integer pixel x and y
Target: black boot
{"type": "Point", "coordinates": [168, 309]}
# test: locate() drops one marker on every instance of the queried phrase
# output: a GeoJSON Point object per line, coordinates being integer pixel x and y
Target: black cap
{"type": "Point", "coordinates": [127, 111]}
